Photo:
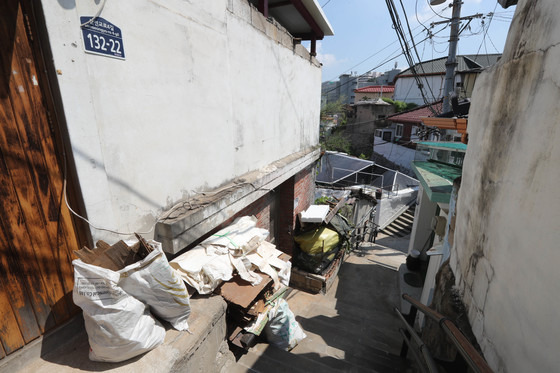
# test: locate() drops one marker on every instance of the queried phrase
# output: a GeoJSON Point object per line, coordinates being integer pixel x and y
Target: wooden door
{"type": "Point", "coordinates": [37, 236]}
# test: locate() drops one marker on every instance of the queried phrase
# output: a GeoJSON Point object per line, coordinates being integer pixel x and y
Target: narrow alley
{"type": "Point", "coordinates": [353, 327]}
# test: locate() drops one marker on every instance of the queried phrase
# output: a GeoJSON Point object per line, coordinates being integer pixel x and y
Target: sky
{"type": "Point", "coordinates": [364, 38]}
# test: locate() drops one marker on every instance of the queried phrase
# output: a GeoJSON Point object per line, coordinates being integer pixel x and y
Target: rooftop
{"type": "Point", "coordinates": [376, 89]}
{"type": "Point", "coordinates": [436, 179]}
{"type": "Point", "coordinates": [414, 116]}
{"type": "Point", "coordinates": [302, 18]}
{"type": "Point", "coordinates": [464, 63]}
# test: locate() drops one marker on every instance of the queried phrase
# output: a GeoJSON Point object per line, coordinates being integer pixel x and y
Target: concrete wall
{"type": "Point", "coordinates": [505, 256]}
{"type": "Point", "coordinates": [208, 91]}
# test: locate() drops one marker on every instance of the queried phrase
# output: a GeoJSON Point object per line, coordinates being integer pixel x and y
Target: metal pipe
{"type": "Point", "coordinates": [421, 346]}
{"type": "Point", "coordinates": [465, 348]}
{"type": "Point", "coordinates": [414, 352]}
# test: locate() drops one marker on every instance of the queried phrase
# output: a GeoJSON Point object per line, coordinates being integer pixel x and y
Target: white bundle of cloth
{"type": "Point", "coordinates": [239, 247]}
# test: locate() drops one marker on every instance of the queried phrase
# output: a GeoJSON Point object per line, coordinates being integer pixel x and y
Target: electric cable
{"type": "Point", "coordinates": [96, 15]}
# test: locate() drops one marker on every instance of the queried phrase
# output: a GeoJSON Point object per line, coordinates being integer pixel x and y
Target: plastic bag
{"type": "Point", "coordinates": [154, 282]}
{"type": "Point", "coordinates": [282, 329]}
{"type": "Point", "coordinates": [318, 241]}
{"type": "Point", "coordinates": [118, 325]}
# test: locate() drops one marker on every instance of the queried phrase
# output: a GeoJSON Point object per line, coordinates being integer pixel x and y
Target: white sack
{"type": "Point", "coordinates": [282, 329]}
{"type": "Point", "coordinates": [203, 272]}
{"type": "Point", "coordinates": [119, 326]}
{"type": "Point", "coordinates": [207, 265]}
{"type": "Point", "coordinates": [155, 283]}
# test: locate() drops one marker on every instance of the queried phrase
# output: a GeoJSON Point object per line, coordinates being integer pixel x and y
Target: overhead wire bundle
{"type": "Point", "coordinates": [402, 37]}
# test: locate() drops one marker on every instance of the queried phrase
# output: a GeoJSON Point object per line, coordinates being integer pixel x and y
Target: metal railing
{"type": "Point", "coordinates": [471, 356]}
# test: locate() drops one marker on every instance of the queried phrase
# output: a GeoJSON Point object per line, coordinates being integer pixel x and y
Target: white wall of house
{"type": "Point", "coordinates": [209, 91]}
{"type": "Point", "coordinates": [406, 89]}
{"type": "Point", "coordinates": [506, 251]}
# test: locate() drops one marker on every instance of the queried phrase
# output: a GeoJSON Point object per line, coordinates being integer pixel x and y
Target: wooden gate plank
{"type": "Point", "coordinates": [17, 234]}
{"type": "Point", "coordinates": [31, 123]}
{"type": "Point", "coordinates": [59, 221]}
{"type": "Point", "coordinates": [17, 319]}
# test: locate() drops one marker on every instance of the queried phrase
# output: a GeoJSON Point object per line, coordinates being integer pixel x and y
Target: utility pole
{"type": "Point", "coordinates": [451, 63]}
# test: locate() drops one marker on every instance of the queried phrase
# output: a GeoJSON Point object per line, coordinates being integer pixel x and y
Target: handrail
{"type": "Point", "coordinates": [475, 361]}
{"type": "Point", "coordinates": [432, 367]}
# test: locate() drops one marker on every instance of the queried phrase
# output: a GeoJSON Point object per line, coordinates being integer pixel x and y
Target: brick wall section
{"type": "Point", "coordinates": [304, 191]}
{"type": "Point", "coordinates": [296, 195]}
{"type": "Point", "coordinates": [284, 239]}
{"type": "Point", "coordinates": [279, 208]}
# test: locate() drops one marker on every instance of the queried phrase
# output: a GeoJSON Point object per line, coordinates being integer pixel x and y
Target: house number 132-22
{"type": "Point", "coordinates": [99, 43]}
{"type": "Point", "coordinates": [101, 37]}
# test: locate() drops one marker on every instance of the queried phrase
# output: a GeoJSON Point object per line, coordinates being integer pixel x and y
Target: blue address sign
{"type": "Point", "coordinates": [102, 37]}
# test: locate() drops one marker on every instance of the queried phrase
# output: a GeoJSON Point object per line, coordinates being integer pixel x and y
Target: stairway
{"type": "Point", "coordinates": [402, 226]}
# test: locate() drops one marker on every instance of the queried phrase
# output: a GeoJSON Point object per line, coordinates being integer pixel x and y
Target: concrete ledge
{"type": "Point", "coordinates": [209, 211]}
{"type": "Point", "coordinates": [66, 349]}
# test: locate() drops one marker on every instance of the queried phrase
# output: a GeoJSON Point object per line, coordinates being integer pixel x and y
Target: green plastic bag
{"type": "Point", "coordinates": [318, 241]}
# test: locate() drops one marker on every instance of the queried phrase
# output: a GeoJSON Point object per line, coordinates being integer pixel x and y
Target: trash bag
{"type": "Point", "coordinates": [282, 329]}
{"type": "Point", "coordinates": [118, 325]}
{"type": "Point", "coordinates": [315, 263]}
{"type": "Point", "coordinates": [318, 241]}
{"type": "Point", "coordinates": [154, 282]}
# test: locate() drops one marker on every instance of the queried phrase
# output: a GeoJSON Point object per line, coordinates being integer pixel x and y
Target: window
{"type": "Point", "coordinates": [387, 136]}
{"type": "Point", "coordinates": [399, 130]}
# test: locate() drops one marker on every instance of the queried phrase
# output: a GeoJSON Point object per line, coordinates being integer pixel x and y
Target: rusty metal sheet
{"type": "Point", "coordinates": [242, 293]}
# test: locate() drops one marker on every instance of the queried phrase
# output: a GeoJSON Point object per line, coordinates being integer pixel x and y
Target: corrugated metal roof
{"type": "Point", "coordinates": [464, 63]}
{"type": "Point", "coordinates": [376, 89]}
{"type": "Point", "coordinates": [413, 116]}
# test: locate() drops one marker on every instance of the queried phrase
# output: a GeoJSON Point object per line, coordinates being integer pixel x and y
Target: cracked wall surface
{"type": "Point", "coordinates": [505, 252]}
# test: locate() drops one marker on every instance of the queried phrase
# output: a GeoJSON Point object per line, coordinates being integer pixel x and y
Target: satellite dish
{"type": "Point", "coordinates": [437, 2]}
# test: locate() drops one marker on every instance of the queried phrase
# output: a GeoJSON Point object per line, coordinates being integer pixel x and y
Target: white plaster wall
{"type": "Point", "coordinates": [204, 96]}
{"type": "Point", "coordinates": [505, 256]}
{"type": "Point", "coordinates": [406, 89]}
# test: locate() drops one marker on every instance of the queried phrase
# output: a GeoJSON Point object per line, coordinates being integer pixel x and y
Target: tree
{"type": "Point", "coordinates": [399, 105]}
{"type": "Point", "coordinates": [337, 142]}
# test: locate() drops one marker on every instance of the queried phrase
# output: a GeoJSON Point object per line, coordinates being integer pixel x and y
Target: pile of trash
{"type": "Point", "coordinates": [320, 238]}
{"type": "Point", "coordinates": [251, 275]}
{"type": "Point", "coordinates": [120, 288]}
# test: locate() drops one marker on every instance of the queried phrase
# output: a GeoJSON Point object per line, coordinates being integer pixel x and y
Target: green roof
{"type": "Point", "coordinates": [436, 179]}
{"type": "Point", "coordinates": [457, 146]}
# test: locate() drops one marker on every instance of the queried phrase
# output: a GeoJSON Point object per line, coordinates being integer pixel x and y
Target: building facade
{"type": "Point", "coordinates": [114, 108]}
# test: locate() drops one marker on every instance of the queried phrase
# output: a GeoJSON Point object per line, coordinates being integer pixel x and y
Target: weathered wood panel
{"type": "Point", "coordinates": [37, 235]}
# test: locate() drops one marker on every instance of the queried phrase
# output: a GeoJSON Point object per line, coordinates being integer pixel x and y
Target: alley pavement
{"type": "Point", "coordinates": [351, 328]}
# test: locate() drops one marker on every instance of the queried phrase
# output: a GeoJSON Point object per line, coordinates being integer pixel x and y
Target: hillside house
{"type": "Point", "coordinates": [432, 76]}
{"type": "Point", "coordinates": [373, 92]}
{"type": "Point", "coordinates": [112, 106]}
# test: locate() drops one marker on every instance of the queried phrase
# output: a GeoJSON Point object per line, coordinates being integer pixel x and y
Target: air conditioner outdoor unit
{"type": "Point", "coordinates": [507, 3]}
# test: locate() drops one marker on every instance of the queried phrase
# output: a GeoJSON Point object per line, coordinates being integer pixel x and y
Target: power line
{"type": "Point", "coordinates": [389, 59]}
{"type": "Point", "coordinates": [381, 50]}
{"type": "Point", "coordinates": [401, 36]}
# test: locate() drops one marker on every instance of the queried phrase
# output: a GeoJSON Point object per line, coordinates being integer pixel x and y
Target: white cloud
{"type": "Point", "coordinates": [327, 59]}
